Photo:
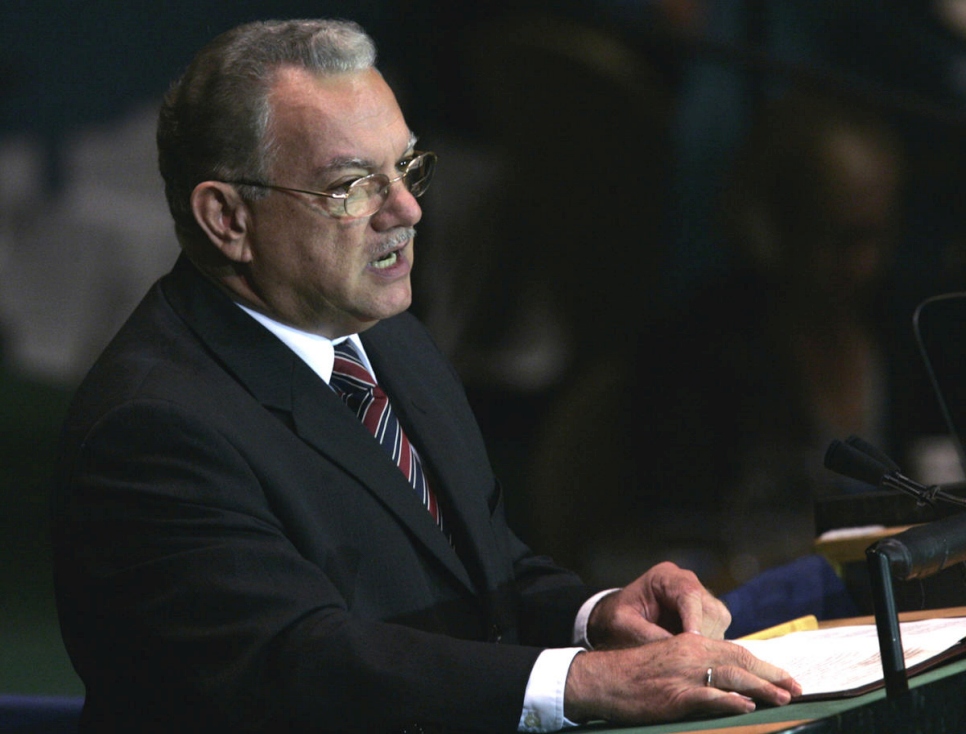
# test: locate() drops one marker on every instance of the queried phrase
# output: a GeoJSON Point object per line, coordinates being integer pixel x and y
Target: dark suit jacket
{"type": "Point", "coordinates": [235, 552]}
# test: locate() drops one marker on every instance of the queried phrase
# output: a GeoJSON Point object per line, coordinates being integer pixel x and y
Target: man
{"type": "Point", "coordinates": [235, 550]}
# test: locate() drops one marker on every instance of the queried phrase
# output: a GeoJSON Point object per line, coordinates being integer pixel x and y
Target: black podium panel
{"type": "Point", "coordinates": [936, 708]}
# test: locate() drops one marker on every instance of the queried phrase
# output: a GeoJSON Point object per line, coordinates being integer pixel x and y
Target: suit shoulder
{"type": "Point", "coordinates": [403, 328]}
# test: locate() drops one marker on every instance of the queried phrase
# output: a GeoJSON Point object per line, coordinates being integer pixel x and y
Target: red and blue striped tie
{"type": "Point", "coordinates": [358, 389]}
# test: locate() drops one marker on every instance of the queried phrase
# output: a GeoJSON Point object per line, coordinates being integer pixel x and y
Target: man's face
{"type": "Point", "coordinates": [319, 273]}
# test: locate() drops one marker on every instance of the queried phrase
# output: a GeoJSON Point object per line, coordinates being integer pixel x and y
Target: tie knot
{"type": "Point", "coordinates": [349, 374]}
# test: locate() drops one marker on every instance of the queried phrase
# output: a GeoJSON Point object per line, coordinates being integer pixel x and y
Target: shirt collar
{"type": "Point", "coordinates": [318, 352]}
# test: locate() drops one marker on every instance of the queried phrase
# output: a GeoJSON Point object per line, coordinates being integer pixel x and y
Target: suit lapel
{"type": "Point", "coordinates": [438, 434]}
{"type": "Point", "coordinates": [338, 434]}
{"type": "Point", "coordinates": [281, 381]}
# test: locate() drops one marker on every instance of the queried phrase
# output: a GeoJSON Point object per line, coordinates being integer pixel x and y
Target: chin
{"type": "Point", "coordinates": [385, 310]}
{"type": "Point", "coordinates": [398, 308]}
{"type": "Point", "coordinates": [399, 300]}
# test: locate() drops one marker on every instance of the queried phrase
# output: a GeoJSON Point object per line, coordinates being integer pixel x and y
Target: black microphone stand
{"type": "Point", "coordinates": [887, 623]}
{"type": "Point", "coordinates": [915, 553]}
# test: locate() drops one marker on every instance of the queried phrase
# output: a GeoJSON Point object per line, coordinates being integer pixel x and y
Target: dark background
{"type": "Point", "coordinates": [83, 229]}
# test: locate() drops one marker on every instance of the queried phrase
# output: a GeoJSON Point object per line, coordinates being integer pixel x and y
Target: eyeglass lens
{"type": "Point", "coordinates": [367, 195]}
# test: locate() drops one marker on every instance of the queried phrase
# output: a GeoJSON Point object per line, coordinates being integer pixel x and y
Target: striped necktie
{"type": "Point", "coordinates": [358, 389]}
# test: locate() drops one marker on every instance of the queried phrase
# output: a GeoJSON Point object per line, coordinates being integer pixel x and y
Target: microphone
{"type": "Point", "coordinates": [924, 550]}
{"type": "Point", "coordinates": [850, 461]}
{"type": "Point", "coordinates": [918, 552]}
{"type": "Point", "coordinates": [858, 459]}
{"type": "Point", "coordinates": [867, 448]}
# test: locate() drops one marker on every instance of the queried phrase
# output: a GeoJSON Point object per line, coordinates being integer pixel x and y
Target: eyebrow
{"type": "Point", "coordinates": [339, 164]}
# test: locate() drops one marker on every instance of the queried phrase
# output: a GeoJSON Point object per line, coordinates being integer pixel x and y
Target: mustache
{"type": "Point", "coordinates": [395, 239]}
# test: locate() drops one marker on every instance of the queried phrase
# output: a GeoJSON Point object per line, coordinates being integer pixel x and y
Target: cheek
{"type": "Point", "coordinates": [334, 259]}
{"type": "Point", "coordinates": [309, 247]}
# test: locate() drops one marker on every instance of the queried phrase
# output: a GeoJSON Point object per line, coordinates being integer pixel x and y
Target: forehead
{"type": "Point", "coordinates": [328, 117]}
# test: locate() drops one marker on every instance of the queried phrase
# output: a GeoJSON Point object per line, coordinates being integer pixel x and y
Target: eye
{"type": "Point", "coordinates": [342, 188]}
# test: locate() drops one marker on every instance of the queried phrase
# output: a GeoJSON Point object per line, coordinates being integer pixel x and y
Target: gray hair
{"type": "Point", "coordinates": [215, 121]}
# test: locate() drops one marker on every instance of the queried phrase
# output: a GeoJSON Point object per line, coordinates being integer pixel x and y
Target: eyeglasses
{"type": "Point", "coordinates": [363, 197]}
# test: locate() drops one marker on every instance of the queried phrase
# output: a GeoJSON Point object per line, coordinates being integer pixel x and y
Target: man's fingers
{"type": "Point", "coordinates": [691, 610]}
{"type": "Point", "coordinates": [666, 596]}
{"type": "Point", "coordinates": [715, 702]}
{"type": "Point", "coordinates": [771, 673]}
{"type": "Point", "coordinates": [680, 676]}
{"type": "Point", "coordinates": [703, 614]}
{"type": "Point", "coordinates": [678, 592]}
{"type": "Point", "coordinates": [774, 685]}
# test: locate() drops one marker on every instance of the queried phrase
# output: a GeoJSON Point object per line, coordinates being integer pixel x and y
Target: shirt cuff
{"type": "Point", "coordinates": [583, 616]}
{"type": "Point", "coordinates": [543, 703]}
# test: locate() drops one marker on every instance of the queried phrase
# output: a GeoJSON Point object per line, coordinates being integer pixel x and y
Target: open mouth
{"type": "Point", "coordinates": [386, 261]}
{"type": "Point", "coordinates": [392, 247]}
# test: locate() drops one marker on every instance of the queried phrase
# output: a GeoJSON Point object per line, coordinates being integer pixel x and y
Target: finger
{"type": "Point", "coordinates": [771, 673]}
{"type": "Point", "coordinates": [734, 679]}
{"type": "Point", "coordinates": [703, 614]}
{"type": "Point", "coordinates": [740, 670]}
{"type": "Point", "coordinates": [691, 611]}
{"type": "Point", "coordinates": [696, 608]}
{"type": "Point", "coordinates": [715, 702]}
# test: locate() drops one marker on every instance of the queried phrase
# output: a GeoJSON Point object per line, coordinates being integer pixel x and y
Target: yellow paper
{"type": "Point", "coordinates": [808, 622]}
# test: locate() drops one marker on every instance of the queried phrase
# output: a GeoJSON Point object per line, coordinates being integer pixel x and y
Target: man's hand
{"type": "Point", "coordinates": [664, 601]}
{"type": "Point", "coordinates": [667, 680]}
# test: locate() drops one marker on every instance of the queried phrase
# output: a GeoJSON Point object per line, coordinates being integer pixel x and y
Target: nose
{"type": "Point", "coordinates": [400, 210]}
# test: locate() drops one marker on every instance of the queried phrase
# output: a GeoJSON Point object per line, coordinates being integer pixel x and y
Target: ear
{"type": "Point", "coordinates": [224, 217]}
